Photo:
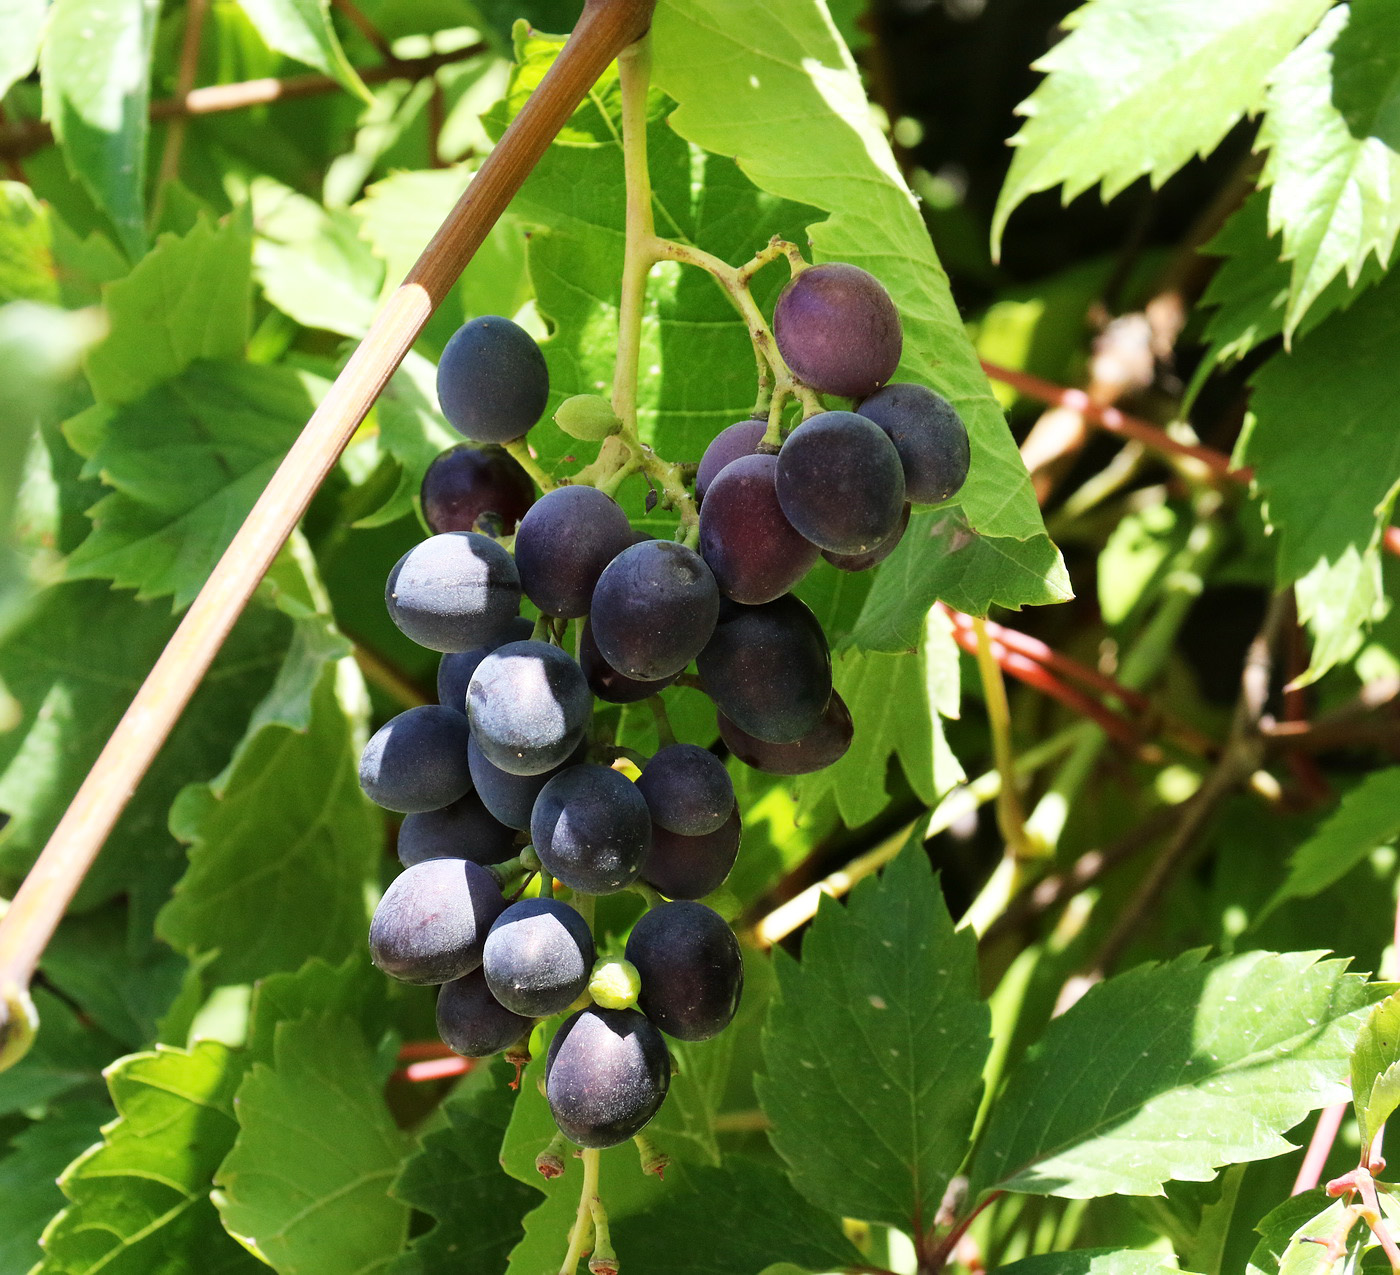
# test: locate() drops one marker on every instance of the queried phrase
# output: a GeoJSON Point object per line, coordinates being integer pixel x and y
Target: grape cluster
{"type": "Point", "coordinates": [501, 777]}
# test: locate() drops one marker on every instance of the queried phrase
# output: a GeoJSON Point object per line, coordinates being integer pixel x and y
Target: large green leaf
{"type": "Point", "coordinates": [96, 69]}
{"type": "Point", "coordinates": [189, 299]}
{"type": "Point", "coordinates": [1170, 1071]}
{"type": "Point", "coordinates": [306, 1184]}
{"type": "Point", "coordinates": [140, 1199]}
{"type": "Point", "coordinates": [1333, 135]}
{"type": "Point", "coordinates": [456, 1177]}
{"type": "Point", "coordinates": [286, 823]}
{"type": "Point", "coordinates": [29, 1169]}
{"type": "Point", "coordinates": [302, 30]}
{"type": "Point", "coordinates": [874, 1050]}
{"type": "Point", "coordinates": [1100, 115]}
{"type": "Point", "coordinates": [21, 26]}
{"type": "Point", "coordinates": [1375, 1068]}
{"type": "Point", "coordinates": [187, 462]}
{"type": "Point", "coordinates": [764, 1221]}
{"type": "Point", "coordinates": [1368, 817]}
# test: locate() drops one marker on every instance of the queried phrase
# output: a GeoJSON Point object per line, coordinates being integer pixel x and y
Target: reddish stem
{"type": "Point", "coordinates": [414, 1050]}
{"type": "Point", "coordinates": [943, 1250]}
{"type": "Point", "coordinates": [435, 1069]}
{"type": "Point", "coordinates": [1329, 1120]}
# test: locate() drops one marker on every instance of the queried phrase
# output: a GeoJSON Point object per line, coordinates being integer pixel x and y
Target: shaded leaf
{"type": "Point", "coordinates": [874, 1050]}
{"type": "Point", "coordinates": [67, 1055]}
{"type": "Point", "coordinates": [1169, 1071]}
{"type": "Point", "coordinates": [302, 30]}
{"type": "Point", "coordinates": [1375, 1068]}
{"type": "Point", "coordinates": [1295, 1234]}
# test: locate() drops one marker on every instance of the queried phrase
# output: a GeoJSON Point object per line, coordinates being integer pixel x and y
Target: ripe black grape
{"type": "Point", "coordinates": [456, 668]}
{"type": "Point", "coordinates": [591, 829]}
{"type": "Point", "coordinates": [474, 1023]}
{"type": "Point", "coordinates": [871, 557]}
{"type": "Point", "coordinates": [838, 330]}
{"type": "Point", "coordinates": [538, 957]}
{"type": "Point", "coordinates": [825, 744]}
{"type": "Point", "coordinates": [756, 554]}
{"type": "Point", "coordinates": [687, 790]}
{"type": "Point", "coordinates": [654, 609]}
{"type": "Point", "coordinates": [692, 867]}
{"type": "Point", "coordinates": [564, 543]}
{"type": "Point", "coordinates": [929, 436]}
{"type": "Point", "coordinates": [769, 669]}
{"type": "Point", "coordinates": [432, 922]}
{"type": "Point", "coordinates": [729, 444]}
{"type": "Point", "coordinates": [606, 1075]}
{"type": "Point", "coordinates": [606, 682]}
{"type": "Point", "coordinates": [492, 381]}
{"type": "Point", "coordinates": [691, 969]}
{"type": "Point", "coordinates": [840, 482]}
{"type": "Point", "coordinates": [529, 707]}
{"type": "Point", "coordinates": [511, 798]}
{"type": "Point", "coordinates": [417, 760]}
{"type": "Point", "coordinates": [453, 592]}
{"type": "Point", "coordinates": [463, 830]}
{"type": "Point", "coordinates": [465, 482]}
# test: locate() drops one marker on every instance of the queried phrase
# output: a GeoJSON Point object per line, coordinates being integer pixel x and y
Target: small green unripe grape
{"type": "Point", "coordinates": [615, 984]}
{"type": "Point", "coordinates": [587, 417]}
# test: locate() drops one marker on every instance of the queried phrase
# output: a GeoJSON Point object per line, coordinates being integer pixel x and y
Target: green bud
{"type": "Point", "coordinates": [587, 417]}
{"type": "Point", "coordinates": [615, 984]}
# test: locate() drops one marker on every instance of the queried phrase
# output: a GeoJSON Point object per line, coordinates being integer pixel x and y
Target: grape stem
{"type": "Point", "coordinates": [582, 1230]}
{"type": "Point", "coordinates": [520, 450]}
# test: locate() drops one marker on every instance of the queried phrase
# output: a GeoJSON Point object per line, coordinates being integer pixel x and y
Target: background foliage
{"type": "Point", "coordinates": [1101, 1026]}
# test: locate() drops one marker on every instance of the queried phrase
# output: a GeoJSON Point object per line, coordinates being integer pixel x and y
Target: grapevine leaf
{"type": "Point", "coordinates": [96, 71]}
{"type": "Point", "coordinates": [941, 558]}
{"type": "Point", "coordinates": [1295, 1238]}
{"type": "Point", "coordinates": [27, 270]}
{"type": "Point", "coordinates": [72, 681]}
{"type": "Point", "coordinates": [765, 1221]}
{"type": "Point", "coordinates": [1335, 397]}
{"type": "Point", "coordinates": [897, 703]}
{"type": "Point", "coordinates": [456, 1178]}
{"type": "Point", "coordinates": [305, 1187]}
{"type": "Point", "coordinates": [67, 1055]}
{"type": "Point", "coordinates": [874, 1050]}
{"type": "Point", "coordinates": [140, 1199]}
{"type": "Point", "coordinates": [29, 1178]}
{"type": "Point", "coordinates": [1333, 134]}
{"type": "Point", "coordinates": [286, 822]}
{"type": "Point", "coordinates": [1169, 1071]}
{"type": "Point", "coordinates": [1368, 817]}
{"type": "Point", "coordinates": [1094, 1261]}
{"type": "Point", "coordinates": [302, 29]}
{"type": "Point", "coordinates": [1375, 1068]}
{"type": "Point", "coordinates": [189, 298]}
{"type": "Point", "coordinates": [187, 462]}
{"type": "Point", "coordinates": [1338, 601]}
{"type": "Point", "coordinates": [1098, 117]}
{"type": "Point", "coordinates": [21, 27]}
{"type": "Point", "coordinates": [352, 990]}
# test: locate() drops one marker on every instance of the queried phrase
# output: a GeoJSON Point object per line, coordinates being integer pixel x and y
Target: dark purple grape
{"type": "Point", "coordinates": [417, 760]}
{"type": "Point", "coordinates": [511, 798]}
{"type": "Point", "coordinates": [606, 682]}
{"type": "Point", "coordinates": [564, 543]}
{"type": "Point", "coordinates": [465, 482]}
{"type": "Point", "coordinates": [432, 922]}
{"type": "Point", "coordinates": [474, 1023]}
{"type": "Point", "coordinates": [538, 957]}
{"type": "Point", "coordinates": [453, 592]}
{"type": "Point", "coordinates": [687, 790]}
{"type": "Point", "coordinates": [756, 554]}
{"type": "Point", "coordinates": [729, 444]}
{"type": "Point", "coordinates": [840, 482]}
{"type": "Point", "coordinates": [456, 668]}
{"type": "Point", "coordinates": [929, 436]}
{"type": "Point", "coordinates": [591, 829]}
{"type": "Point", "coordinates": [492, 381]}
{"type": "Point", "coordinates": [606, 1075]}
{"type": "Point", "coordinates": [691, 970]}
{"type": "Point", "coordinates": [826, 743]}
{"type": "Point", "coordinates": [871, 557]}
{"type": "Point", "coordinates": [838, 330]}
{"type": "Point", "coordinates": [654, 609]}
{"type": "Point", "coordinates": [692, 867]}
{"type": "Point", "coordinates": [463, 830]}
{"type": "Point", "coordinates": [529, 707]}
{"type": "Point", "coordinates": [769, 669]}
